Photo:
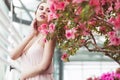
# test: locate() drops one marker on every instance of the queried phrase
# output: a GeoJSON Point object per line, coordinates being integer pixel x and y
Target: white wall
{"type": "Point", "coordinates": [83, 70]}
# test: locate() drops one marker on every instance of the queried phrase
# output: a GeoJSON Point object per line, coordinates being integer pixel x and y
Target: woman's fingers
{"type": "Point", "coordinates": [22, 77]}
{"type": "Point", "coordinates": [34, 26]}
{"type": "Point", "coordinates": [34, 23]}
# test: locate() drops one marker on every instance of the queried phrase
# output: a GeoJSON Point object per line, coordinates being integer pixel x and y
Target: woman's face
{"type": "Point", "coordinates": [42, 12]}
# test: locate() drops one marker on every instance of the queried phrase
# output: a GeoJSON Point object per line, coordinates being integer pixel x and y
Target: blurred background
{"type": "Point", "coordinates": [15, 18]}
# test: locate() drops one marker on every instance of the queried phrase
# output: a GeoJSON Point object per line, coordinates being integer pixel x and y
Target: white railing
{"type": "Point", "coordinates": [8, 31]}
{"type": "Point", "coordinates": [10, 64]}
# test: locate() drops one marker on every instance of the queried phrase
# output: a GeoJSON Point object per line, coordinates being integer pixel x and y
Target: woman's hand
{"type": "Point", "coordinates": [27, 73]}
{"type": "Point", "coordinates": [23, 77]}
{"type": "Point", "coordinates": [34, 27]}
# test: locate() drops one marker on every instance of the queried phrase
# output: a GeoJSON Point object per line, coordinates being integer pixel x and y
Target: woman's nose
{"type": "Point", "coordinates": [43, 13]}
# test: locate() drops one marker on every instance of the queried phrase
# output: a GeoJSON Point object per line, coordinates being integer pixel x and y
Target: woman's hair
{"type": "Point", "coordinates": [35, 25]}
{"type": "Point", "coordinates": [39, 5]}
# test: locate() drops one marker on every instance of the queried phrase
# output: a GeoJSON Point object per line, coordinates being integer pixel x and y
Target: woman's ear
{"type": "Point", "coordinates": [35, 12]}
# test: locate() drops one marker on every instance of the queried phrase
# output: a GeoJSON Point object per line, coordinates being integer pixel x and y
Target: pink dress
{"type": "Point", "coordinates": [32, 58]}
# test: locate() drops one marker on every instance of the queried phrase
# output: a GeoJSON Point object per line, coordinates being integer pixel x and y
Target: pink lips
{"type": "Point", "coordinates": [42, 17]}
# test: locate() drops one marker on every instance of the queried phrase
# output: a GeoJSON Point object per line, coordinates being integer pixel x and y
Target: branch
{"type": "Point", "coordinates": [107, 54]}
{"type": "Point", "coordinates": [99, 49]}
{"type": "Point", "coordinates": [93, 38]}
{"type": "Point", "coordinates": [85, 43]}
{"type": "Point", "coordinates": [111, 25]}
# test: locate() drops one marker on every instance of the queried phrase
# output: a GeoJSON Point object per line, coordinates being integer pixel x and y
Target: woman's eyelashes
{"type": "Point", "coordinates": [42, 8]}
{"type": "Point", "coordinates": [48, 10]}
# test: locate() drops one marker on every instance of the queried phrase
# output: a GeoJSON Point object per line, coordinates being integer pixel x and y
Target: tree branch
{"type": "Point", "coordinates": [107, 54]}
{"type": "Point", "coordinates": [99, 49]}
{"type": "Point", "coordinates": [110, 25]}
{"type": "Point", "coordinates": [93, 38]}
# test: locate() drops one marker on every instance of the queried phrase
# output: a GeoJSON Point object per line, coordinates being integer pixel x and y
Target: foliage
{"type": "Point", "coordinates": [77, 23]}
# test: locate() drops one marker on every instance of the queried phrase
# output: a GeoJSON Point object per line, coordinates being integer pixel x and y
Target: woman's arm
{"type": "Point", "coordinates": [17, 52]}
{"type": "Point", "coordinates": [46, 61]}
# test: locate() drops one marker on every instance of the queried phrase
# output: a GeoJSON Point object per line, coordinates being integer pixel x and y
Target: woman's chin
{"type": "Point", "coordinates": [41, 20]}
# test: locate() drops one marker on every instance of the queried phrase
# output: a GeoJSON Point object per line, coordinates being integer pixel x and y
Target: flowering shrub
{"type": "Point", "coordinates": [107, 76]}
{"type": "Point", "coordinates": [110, 76]}
{"type": "Point", "coordinates": [76, 23]}
{"type": "Point", "coordinates": [65, 57]}
{"type": "Point", "coordinates": [94, 78]}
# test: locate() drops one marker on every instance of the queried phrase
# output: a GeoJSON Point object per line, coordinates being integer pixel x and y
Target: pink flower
{"type": "Point", "coordinates": [51, 28]}
{"type": "Point", "coordinates": [115, 41]}
{"type": "Point", "coordinates": [82, 41]}
{"type": "Point", "coordinates": [82, 26]}
{"type": "Point", "coordinates": [110, 8]}
{"type": "Point", "coordinates": [61, 6]}
{"type": "Point", "coordinates": [43, 29]}
{"type": "Point", "coordinates": [52, 8]}
{"type": "Point", "coordinates": [84, 30]}
{"type": "Point", "coordinates": [65, 27]}
{"type": "Point", "coordinates": [117, 5]}
{"type": "Point", "coordinates": [78, 1]}
{"type": "Point", "coordinates": [70, 34]}
{"type": "Point", "coordinates": [94, 3]}
{"type": "Point", "coordinates": [112, 34]}
{"type": "Point", "coordinates": [44, 40]}
{"type": "Point", "coordinates": [117, 75]}
{"type": "Point", "coordinates": [103, 2]}
{"type": "Point", "coordinates": [90, 78]}
{"type": "Point", "coordinates": [68, 0]}
{"type": "Point", "coordinates": [64, 57]}
{"type": "Point", "coordinates": [111, 20]}
{"type": "Point", "coordinates": [52, 1]}
{"type": "Point", "coordinates": [117, 22]}
{"type": "Point", "coordinates": [103, 29]}
{"type": "Point", "coordinates": [107, 76]}
{"type": "Point", "coordinates": [98, 10]}
{"type": "Point", "coordinates": [42, 26]}
{"type": "Point", "coordinates": [92, 22]}
{"type": "Point", "coordinates": [96, 78]}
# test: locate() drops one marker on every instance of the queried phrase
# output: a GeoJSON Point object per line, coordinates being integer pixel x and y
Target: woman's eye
{"type": "Point", "coordinates": [41, 8]}
{"type": "Point", "coordinates": [48, 10]}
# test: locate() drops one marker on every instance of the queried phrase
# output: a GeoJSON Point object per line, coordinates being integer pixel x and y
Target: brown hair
{"type": "Point", "coordinates": [39, 5]}
{"type": "Point", "coordinates": [35, 24]}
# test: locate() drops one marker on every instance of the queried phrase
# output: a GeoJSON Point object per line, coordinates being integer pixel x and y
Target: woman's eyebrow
{"type": "Point", "coordinates": [47, 8]}
{"type": "Point", "coordinates": [41, 6]}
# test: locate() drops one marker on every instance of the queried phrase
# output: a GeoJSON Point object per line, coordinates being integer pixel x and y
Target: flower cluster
{"type": "Point", "coordinates": [107, 76]}
{"type": "Point", "coordinates": [110, 76]}
{"type": "Point", "coordinates": [76, 23]}
{"type": "Point", "coordinates": [93, 78]}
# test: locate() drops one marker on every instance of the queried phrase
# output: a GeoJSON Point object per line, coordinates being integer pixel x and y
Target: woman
{"type": "Point", "coordinates": [36, 55]}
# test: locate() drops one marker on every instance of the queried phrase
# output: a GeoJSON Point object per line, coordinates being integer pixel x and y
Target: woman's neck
{"type": "Point", "coordinates": [39, 23]}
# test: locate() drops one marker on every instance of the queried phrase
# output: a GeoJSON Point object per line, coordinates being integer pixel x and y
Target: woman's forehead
{"type": "Point", "coordinates": [44, 5]}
